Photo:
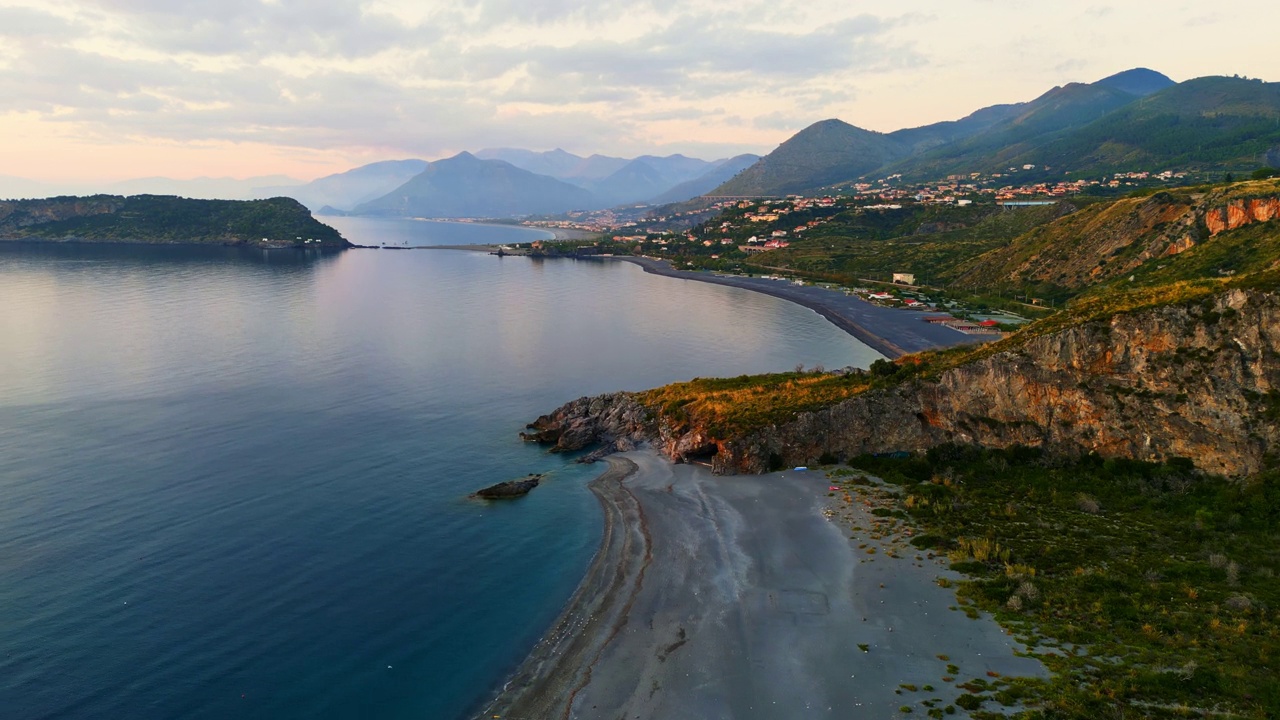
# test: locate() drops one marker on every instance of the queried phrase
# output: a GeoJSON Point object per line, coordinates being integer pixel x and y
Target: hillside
{"type": "Point", "coordinates": [823, 153]}
{"type": "Point", "coordinates": [933, 241]}
{"type": "Point", "coordinates": [159, 219]}
{"type": "Point", "coordinates": [1003, 144]}
{"type": "Point", "coordinates": [466, 186]}
{"type": "Point", "coordinates": [1134, 120]}
{"type": "Point", "coordinates": [1189, 233]}
{"type": "Point", "coordinates": [1213, 122]}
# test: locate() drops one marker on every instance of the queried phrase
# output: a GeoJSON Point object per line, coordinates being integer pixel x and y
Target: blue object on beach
{"type": "Point", "coordinates": [801, 469]}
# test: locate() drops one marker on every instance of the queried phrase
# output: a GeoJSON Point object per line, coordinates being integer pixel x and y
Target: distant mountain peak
{"type": "Point", "coordinates": [1137, 81]}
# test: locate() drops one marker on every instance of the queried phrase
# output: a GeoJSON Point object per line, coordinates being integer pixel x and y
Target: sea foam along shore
{"type": "Point", "coordinates": [744, 597]}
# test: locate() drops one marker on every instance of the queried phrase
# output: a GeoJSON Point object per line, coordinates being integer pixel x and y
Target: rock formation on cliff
{"type": "Point", "coordinates": [1199, 380]}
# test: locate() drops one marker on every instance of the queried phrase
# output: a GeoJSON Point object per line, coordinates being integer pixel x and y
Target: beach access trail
{"type": "Point", "coordinates": [745, 597]}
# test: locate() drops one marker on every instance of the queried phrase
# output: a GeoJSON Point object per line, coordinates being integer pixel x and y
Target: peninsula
{"type": "Point", "coordinates": [166, 220]}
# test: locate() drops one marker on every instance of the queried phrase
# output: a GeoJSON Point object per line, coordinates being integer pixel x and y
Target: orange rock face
{"type": "Point", "coordinates": [1181, 246]}
{"type": "Point", "coordinates": [1240, 213]}
{"type": "Point", "coordinates": [1264, 210]}
{"type": "Point", "coordinates": [1237, 215]}
{"type": "Point", "coordinates": [1216, 221]}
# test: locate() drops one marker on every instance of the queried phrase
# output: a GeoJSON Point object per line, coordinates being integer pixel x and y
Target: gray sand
{"type": "Point", "coordinates": [753, 606]}
{"type": "Point", "coordinates": [892, 332]}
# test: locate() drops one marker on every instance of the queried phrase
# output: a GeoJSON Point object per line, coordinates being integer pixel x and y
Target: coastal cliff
{"type": "Point", "coordinates": [167, 220]}
{"type": "Point", "coordinates": [1197, 380]}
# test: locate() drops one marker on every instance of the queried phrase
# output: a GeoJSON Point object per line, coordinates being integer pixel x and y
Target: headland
{"type": "Point", "coordinates": [167, 220]}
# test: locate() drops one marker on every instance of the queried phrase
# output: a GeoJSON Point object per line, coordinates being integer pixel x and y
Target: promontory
{"type": "Point", "coordinates": [166, 220]}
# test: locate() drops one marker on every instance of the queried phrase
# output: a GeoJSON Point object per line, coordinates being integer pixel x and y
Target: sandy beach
{"type": "Point", "coordinates": [751, 597]}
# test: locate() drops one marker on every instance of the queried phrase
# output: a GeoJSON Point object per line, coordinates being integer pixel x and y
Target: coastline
{"type": "Point", "coordinates": [753, 598]}
{"type": "Point", "coordinates": [898, 332]}
{"type": "Point", "coordinates": [546, 683]}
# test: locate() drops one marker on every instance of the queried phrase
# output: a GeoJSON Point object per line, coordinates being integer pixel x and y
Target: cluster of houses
{"type": "Point", "coordinates": [885, 194]}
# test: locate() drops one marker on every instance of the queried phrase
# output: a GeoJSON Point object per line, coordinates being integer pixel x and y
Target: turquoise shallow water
{"type": "Point", "coordinates": [232, 482]}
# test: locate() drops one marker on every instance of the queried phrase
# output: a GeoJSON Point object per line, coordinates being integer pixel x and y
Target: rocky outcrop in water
{"type": "Point", "coordinates": [510, 488]}
{"type": "Point", "coordinates": [1198, 381]}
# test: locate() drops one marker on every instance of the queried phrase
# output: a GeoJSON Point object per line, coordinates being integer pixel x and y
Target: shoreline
{"type": "Point", "coordinates": [753, 598]}
{"type": "Point", "coordinates": [909, 332]}
{"type": "Point", "coordinates": [546, 683]}
{"type": "Point", "coordinates": [880, 344]}
{"type": "Point", "coordinates": [898, 331]}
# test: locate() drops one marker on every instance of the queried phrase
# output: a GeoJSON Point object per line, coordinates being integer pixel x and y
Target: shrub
{"type": "Point", "coordinates": [1088, 504]}
{"type": "Point", "coordinates": [1238, 603]}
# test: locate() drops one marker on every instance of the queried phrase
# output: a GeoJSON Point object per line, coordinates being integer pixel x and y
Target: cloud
{"type": "Point", "coordinates": [430, 79]}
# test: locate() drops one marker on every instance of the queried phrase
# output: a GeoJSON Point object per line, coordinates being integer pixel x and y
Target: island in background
{"type": "Point", "coordinates": [166, 220]}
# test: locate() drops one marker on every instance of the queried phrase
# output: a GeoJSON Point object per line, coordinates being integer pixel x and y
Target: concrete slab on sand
{"type": "Point", "coordinates": [755, 603]}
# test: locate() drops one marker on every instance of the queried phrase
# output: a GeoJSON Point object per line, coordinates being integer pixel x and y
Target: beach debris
{"type": "Point", "coordinates": [510, 488]}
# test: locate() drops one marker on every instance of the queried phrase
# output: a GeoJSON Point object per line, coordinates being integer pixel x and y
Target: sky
{"type": "Point", "coordinates": [100, 90]}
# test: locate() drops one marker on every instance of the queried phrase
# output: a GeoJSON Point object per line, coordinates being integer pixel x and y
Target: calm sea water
{"type": "Point", "coordinates": [233, 483]}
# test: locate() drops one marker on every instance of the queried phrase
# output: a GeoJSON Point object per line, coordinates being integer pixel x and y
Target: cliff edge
{"type": "Point", "coordinates": [1198, 379]}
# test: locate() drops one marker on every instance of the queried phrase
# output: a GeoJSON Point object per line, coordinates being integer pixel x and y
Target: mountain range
{"type": "Point", "coordinates": [1135, 120]}
{"type": "Point", "coordinates": [506, 182]}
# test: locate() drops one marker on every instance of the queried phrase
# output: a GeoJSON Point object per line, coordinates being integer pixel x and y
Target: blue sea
{"type": "Point", "coordinates": [233, 483]}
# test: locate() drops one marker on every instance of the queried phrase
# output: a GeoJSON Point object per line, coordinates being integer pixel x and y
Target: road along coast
{"type": "Point", "coordinates": [752, 597]}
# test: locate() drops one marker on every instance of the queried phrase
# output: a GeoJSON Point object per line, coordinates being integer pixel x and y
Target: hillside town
{"type": "Point", "coordinates": [627, 224]}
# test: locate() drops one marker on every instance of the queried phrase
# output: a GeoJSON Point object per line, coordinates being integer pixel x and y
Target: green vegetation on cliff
{"type": "Point", "coordinates": [729, 406]}
{"type": "Point", "coordinates": [162, 219]}
{"type": "Point", "coordinates": [1149, 590]}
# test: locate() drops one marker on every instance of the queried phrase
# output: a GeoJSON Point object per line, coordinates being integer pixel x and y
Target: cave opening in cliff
{"type": "Point", "coordinates": [701, 455]}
